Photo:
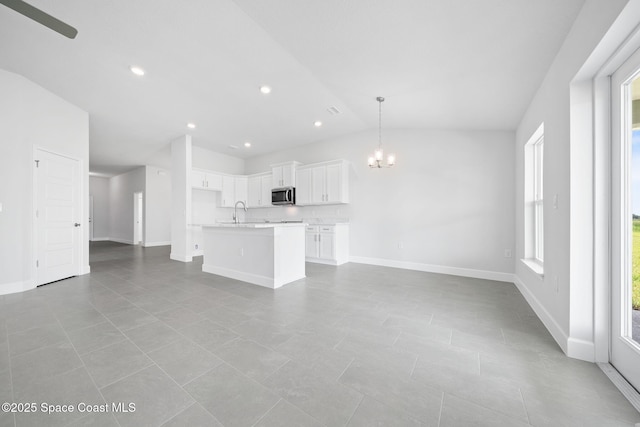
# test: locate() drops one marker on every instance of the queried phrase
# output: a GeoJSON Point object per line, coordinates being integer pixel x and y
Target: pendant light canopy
{"type": "Point", "coordinates": [375, 160]}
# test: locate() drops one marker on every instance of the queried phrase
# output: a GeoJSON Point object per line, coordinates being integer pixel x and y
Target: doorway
{"type": "Point", "coordinates": [58, 232]}
{"type": "Point", "coordinates": [138, 218]}
{"type": "Point", "coordinates": [625, 222]}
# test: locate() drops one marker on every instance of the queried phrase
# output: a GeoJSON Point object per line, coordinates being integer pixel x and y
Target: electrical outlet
{"type": "Point", "coordinates": [400, 245]}
{"type": "Point", "coordinates": [507, 253]}
{"type": "Point", "coordinates": [241, 251]}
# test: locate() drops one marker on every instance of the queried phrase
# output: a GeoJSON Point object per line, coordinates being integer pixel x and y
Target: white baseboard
{"type": "Point", "coordinates": [126, 242]}
{"type": "Point", "coordinates": [429, 268]}
{"type": "Point", "coordinates": [153, 244]}
{"type": "Point", "coordinates": [15, 287]}
{"type": "Point", "coordinates": [85, 270]}
{"type": "Point", "coordinates": [549, 322]}
{"type": "Point", "coordinates": [100, 239]}
{"type": "Point", "coordinates": [256, 279]}
{"type": "Point", "coordinates": [180, 257]}
{"type": "Point", "coordinates": [581, 349]}
{"type": "Point", "coordinates": [321, 261]}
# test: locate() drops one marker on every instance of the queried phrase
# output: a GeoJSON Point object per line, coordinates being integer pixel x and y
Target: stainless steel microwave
{"type": "Point", "coordinates": [283, 196]}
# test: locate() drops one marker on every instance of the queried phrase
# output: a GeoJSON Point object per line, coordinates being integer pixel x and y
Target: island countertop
{"type": "Point", "coordinates": [254, 224]}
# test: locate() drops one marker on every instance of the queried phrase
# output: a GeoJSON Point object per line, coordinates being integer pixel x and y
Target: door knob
{"type": "Point", "coordinates": [77, 224]}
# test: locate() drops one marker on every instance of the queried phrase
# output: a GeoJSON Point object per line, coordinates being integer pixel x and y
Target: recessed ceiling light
{"type": "Point", "coordinates": [265, 89]}
{"type": "Point", "coordinates": [247, 144]}
{"type": "Point", "coordinates": [137, 70]}
{"type": "Point", "coordinates": [317, 123]}
{"type": "Point", "coordinates": [191, 125]}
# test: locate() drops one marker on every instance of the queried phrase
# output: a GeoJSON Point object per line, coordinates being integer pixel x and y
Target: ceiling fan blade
{"type": "Point", "coordinates": [41, 17]}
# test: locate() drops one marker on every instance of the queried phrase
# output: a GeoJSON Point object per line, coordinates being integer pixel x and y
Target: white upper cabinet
{"type": "Point", "coordinates": [254, 190]}
{"type": "Point", "coordinates": [284, 174]}
{"type": "Point", "coordinates": [234, 188]}
{"type": "Point", "coordinates": [259, 191]}
{"type": "Point", "coordinates": [198, 179]}
{"type": "Point", "coordinates": [318, 184]}
{"type": "Point", "coordinates": [227, 198]}
{"type": "Point", "coordinates": [265, 199]}
{"type": "Point", "coordinates": [315, 184]}
{"type": "Point", "coordinates": [336, 183]}
{"type": "Point", "coordinates": [206, 180]}
{"type": "Point", "coordinates": [241, 189]}
{"type": "Point", "coordinates": [303, 186]}
{"type": "Point", "coordinates": [323, 183]}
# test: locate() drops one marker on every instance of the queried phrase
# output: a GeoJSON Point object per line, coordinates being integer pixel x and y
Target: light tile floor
{"type": "Point", "coordinates": [353, 345]}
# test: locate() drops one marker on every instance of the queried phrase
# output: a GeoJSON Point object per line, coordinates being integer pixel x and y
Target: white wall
{"type": "Point", "coordinates": [449, 200]}
{"type": "Point", "coordinates": [121, 189]}
{"type": "Point", "coordinates": [210, 160]}
{"type": "Point", "coordinates": [551, 105]}
{"type": "Point", "coordinates": [99, 189]}
{"type": "Point", "coordinates": [30, 116]}
{"type": "Point", "coordinates": [157, 207]}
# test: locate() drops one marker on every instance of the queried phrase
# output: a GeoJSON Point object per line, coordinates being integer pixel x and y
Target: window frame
{"type": "Point", "coordinates": [534, 202]}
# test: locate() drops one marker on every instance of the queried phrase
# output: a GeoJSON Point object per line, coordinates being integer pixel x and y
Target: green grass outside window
{"type": "Point", "coordinates": [635, 269]}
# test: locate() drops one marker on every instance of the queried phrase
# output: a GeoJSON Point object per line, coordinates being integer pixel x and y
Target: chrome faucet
{"type": "Point", "coordinates": [235, 211]}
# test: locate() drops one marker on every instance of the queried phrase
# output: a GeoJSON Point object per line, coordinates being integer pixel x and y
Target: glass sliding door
{"type": "Point", "coordinates": [625, 224]}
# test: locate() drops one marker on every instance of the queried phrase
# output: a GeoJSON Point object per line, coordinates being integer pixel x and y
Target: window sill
{"type": "Point", "coordinates": [534, 265]}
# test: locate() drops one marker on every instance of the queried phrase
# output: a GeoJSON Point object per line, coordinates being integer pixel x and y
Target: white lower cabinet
{"type": "Point", "coordinates": [327, 244]}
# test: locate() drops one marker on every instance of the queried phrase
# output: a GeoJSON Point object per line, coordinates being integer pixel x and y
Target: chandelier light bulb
{"type": "Point", "coordinates": [379, 154]}
{"type": "Point", "coordinates": [372, 161]}
{"type": "Point", "coordinates": [391, 159]}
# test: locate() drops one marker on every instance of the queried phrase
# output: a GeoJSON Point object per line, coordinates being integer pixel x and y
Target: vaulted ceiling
{"type": "Point", "coordinates": [446, 64]}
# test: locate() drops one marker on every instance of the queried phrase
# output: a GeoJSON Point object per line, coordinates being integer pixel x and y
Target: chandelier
{"type": "Point", "coordinates": [375, 160]}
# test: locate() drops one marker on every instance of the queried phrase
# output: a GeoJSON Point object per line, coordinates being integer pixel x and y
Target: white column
{"type": "Point", "coordinates": [181, 199]}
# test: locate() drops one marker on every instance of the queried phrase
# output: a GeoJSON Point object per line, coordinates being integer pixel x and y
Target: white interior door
{"type": "Point", "coordinates": [58, 210]}
{"type": "Point", "coordinates": [137, 218]}
{"type": "Point", "coordinates": [625, 196]}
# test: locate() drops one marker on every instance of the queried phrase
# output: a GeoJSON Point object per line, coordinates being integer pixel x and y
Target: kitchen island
{"type": "Point", "coordinates": [265, 254]}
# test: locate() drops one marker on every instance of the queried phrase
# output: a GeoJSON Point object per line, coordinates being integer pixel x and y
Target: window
{"type": "Point", "coordinates": [538, 200]}
{"type": "Point", "coordinates": [534, 200]}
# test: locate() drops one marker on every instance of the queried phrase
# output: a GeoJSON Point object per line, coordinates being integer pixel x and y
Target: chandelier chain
{"type": "Point", "coordinates": [380, 122]}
